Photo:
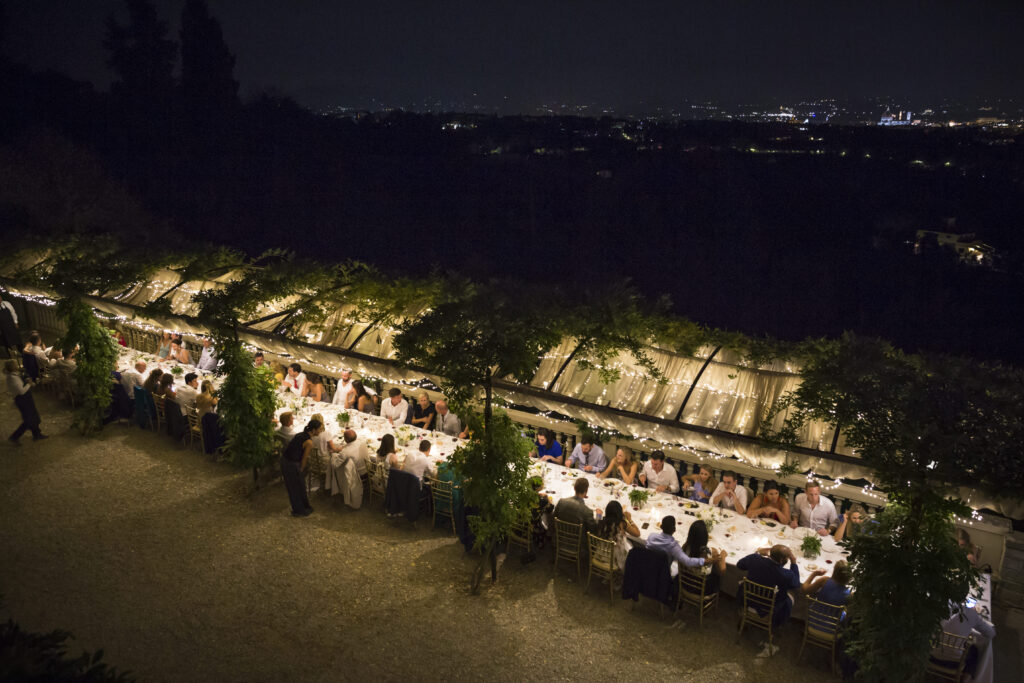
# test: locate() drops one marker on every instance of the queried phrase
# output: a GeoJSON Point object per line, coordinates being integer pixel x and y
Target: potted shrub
{"type": "Point", "coordinates": [811, 546]}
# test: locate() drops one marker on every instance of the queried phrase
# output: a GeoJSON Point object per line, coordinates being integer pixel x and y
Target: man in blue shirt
{"type": "Point", "coordinates": [664, 542]}
{"type": "Point", "coordinates": [588, 456]}
{"type": "Point", "coordinates": [770, 571]}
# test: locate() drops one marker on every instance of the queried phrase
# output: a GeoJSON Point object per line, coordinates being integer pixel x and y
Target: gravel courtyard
{"type": "Point", "coordinates": [167, 562]}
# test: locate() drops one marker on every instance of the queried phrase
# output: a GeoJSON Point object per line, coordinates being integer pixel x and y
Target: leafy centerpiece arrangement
{"type": "Point", "coordinates": [343, 419]}
{"type": "Point", "coordinates": [811, 546]}
{"type": "Point", "coordinates": [177, 371]}
{"type": "Point", "coordinates": [403, 435]}
{"type": "Point", "coordinates": [708, 517]}
{"type": "Point", "coordinates": [637, 498]}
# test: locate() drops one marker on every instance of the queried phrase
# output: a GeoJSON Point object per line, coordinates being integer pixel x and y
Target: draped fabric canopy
{"type": "Point", "coordinates": [712, 404]}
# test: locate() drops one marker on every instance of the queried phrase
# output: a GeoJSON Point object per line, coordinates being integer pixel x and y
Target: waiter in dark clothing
{"type": "Point", "coordinates": [20, 388]}
{"type": "Point", "coordinates": [9, 326]}
{"type": "Point", "coordinates": [293, 462]}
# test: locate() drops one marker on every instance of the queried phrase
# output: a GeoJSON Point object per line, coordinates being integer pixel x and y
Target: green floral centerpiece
{"type": "Point", "coordinates": [708, 517]}
{"type": "Point", "coordinates": [403, 435]}
{"type": "Point", "coordinates": [637, 498]}
{"type": "Point", "coordinates": [811, 546]}
{"type": "Point", "coordinates": [177, 371]}
{"type": "Point", "coordinates": [343, 419]}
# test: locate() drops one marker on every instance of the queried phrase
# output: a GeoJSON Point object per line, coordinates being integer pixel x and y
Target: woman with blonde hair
{"type": "Point", "coordinates": [623, 466]}
{"type": "Point", "coordinates": [205, 401]}
{"type": "Point", "coordinates": [703, 484]}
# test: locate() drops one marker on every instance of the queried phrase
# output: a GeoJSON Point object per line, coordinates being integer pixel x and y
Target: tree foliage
{"type": "Point", "coordinates": [926, 426]}
{"type": "Point", "coordinates": [96, 356]}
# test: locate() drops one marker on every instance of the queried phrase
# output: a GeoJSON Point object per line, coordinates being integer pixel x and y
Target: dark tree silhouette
{"type": "Point", "coordinates": [209, 91]}
{"type": "Point", "coordinates": [143, 58]}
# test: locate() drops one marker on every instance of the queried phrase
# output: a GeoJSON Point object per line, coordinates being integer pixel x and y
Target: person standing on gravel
{"type": "Point", "coordinates": [21, 389]}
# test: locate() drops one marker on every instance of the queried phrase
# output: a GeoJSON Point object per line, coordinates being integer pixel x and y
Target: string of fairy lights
{"type": "Point", "coordinates": [637, 379]}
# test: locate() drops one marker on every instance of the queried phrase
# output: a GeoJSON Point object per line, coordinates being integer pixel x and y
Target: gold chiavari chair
{"type": "Point", "coordinates": [821, 628]}
{"type": "Point", "coordinates": [444, 503]}
{"type": "Point", "coordinates": [949, 656]}
{"type": "Point", "coordinates": [757, 608]}
{"type": "Point", "coordinates": [693, 591]}
{"type": "Point", "coordinates": [568, 543]}
{"type": "Point", "coordinates": [520, 536]}
{"type": "Point", "coordinates": [602, 562]}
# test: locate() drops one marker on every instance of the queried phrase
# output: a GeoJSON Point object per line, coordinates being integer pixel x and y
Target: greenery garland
{"type": "Point", "coordinates": [95, 358]}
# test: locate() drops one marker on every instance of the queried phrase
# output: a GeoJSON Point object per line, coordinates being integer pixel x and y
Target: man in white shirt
{"type": "Point", "coordinates": [447, 421]}
{"type": "Point", "coordinates": [35, 347]}
{"type": "Point", "coordinates": [417, 463]}
{"type": "Point", "coordinates": [187, 394]}
{"type": "Point", "coordinates": [208, 358]}
{"type": "Point", "coordinates": [962, 620]}
{"type": "Point", "coordinates": [348, 465]}
{"type": "Point", "coordinates": [730, 496]}
{"type": "Point", "coordinates": [395, 409]}
{"type": "Point", "coordinates": [133, 378]}
{"type": "Point", "coordinates": [812, 510]}
{"type": "Point", "coordinates": [345, 394]}
{"type": "Point", "coordinates": [659, 475]}
{"type": "Point", "coordinates": [9, 325]}
{"type": "Point", "coordinates": [295, 382]}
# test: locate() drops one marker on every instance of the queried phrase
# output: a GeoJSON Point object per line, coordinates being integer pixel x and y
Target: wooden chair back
{"type": "Point", "coordinates": [757, 607]}
{"type": "Point", "coordinates": [693, 585]}
{"type": "Point", "coordinates": [568, 540]}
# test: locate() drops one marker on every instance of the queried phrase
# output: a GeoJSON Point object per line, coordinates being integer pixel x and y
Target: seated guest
{"type": "Point", "coordinates": [206, 401]}
{"type": "Point", "coordinates": [962, 620]}
{"type": "Point", "coordinates": [767, 567]}
{"type": "Point", "coordinates": [287, 426]}
{"type": "Point", "coordinates": [166, 388]}
{"type": "Point", "coordinates": [36, 348]}
{"type": "Point", "coordinates": [361, 398]}
{"type": "Point", "coordinates": [574, 510]}
{"type": "Point", "coordinates": [163, 350]}
{"type": "Point", "coordinates": [547, 448]}
{"type": "Point", "coordinates": [658, 475]}
{"type": "Point", "coordinates": [119, 335]}
{"type": "Point", "coordinates": [295, 382]}
{"type": "Point", "coordinates": [729, 494]}
{"type": "Point", "coordinates": [387, 448]}
{"type": "Point", "coordinates": [208, 358]}
{"type": "Point", "coordinates": [423, 413]}
{"type": "Point", "coordinates": [258, 360]}
{"type": "Point", "coordinates": [416, 463]}
{"type": "Point", "coordinates": [696, 545]}
{"type": "Point", "coordinates": [814, 511]}
{"type": "Point", "coordinates": [588, 456]}
{"type": "Point", "coordinates": [344, 394]}
{"type": "Point", "coordinates": [703, 484]}
{"type": "Point", "coordinates": [614, 526]}
{"type": "Point", "coordinates": [396, 408]}
{"type": "Point", "coordinates": [179, 352]}
{"type": "Point", "coordinates": [314, 388]}
{"type": "Point", "coordinates": [348, 466]}
{"type": "Point", "coordinates": [324, 442]}
{"type": "Point", "coordinates": [834, 590]}
{"type": "Point", "coordinates": [152, 383]}
{"type": "Point", "coordinates": [62, 363]}
{"type": "Point", "coordinates": [663, 541]}
{"type": "Point", "coordinates": [446, 421]}
{"type": "Point", "coordinates": [279, 370]}
{"type": "Point", "coordinates": [963, 539]}
{"type": "Point", "coordinates": [188, 394]}
{"type": "Point", "coordinates": [623, 466]}
{"type": "Point", "coordinates": [853, 523]}
{"type": "Point", "coordinates": [770, 504]}
{"type": "Point", "coordinates": [133, 378]}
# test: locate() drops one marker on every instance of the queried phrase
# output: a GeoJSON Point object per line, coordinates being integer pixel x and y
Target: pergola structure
{"type": "Point", "coordinates": [710, 409]}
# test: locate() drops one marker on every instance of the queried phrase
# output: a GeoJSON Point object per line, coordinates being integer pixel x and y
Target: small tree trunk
{"type": "Point", "coordinates": [490, 557]}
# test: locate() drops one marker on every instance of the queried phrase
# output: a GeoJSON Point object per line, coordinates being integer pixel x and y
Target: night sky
{"type": "Point", "coordinates": [617, 54]}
